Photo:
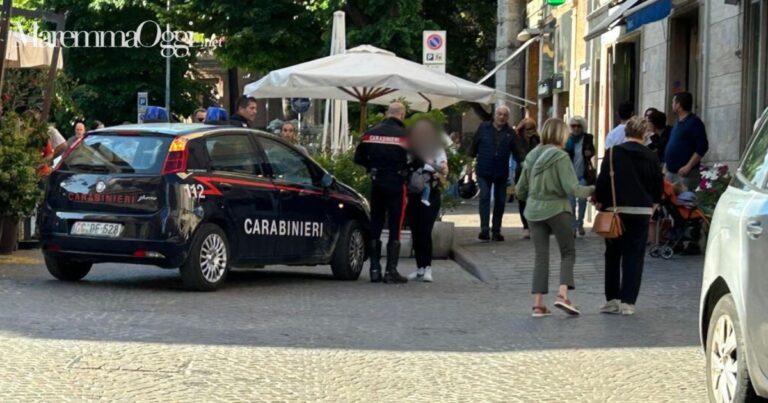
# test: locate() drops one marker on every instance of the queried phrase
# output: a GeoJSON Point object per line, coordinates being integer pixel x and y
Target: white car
{"type": "Point", "coordinates": [734, 295]}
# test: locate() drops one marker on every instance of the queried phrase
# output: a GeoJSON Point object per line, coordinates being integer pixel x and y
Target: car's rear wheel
{"type": "Point", "coordinates": [727, 374]}
{"type": "Point", "coordinates": [66, 269]}
{"type": "Point", "coordinates": [207, 265]}
{"type": "Point", "coordinates": [349, 255]}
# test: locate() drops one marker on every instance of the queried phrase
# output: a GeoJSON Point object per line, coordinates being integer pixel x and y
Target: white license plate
{"type": "Point", "coordinates": [104, 229]}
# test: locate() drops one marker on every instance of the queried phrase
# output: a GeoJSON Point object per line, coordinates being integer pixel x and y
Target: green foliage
{"type": "Point", "coordinates": [343, 167]}
{"type": "Point", "coordinates": [21, 142]}
{"type": "Point", "coordinates": [275, 34]}
{"type": "Point", "coordinates": [103, 82]}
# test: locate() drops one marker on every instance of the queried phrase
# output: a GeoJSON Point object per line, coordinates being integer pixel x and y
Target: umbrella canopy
{"type": "Point", "coordinates": [335, 124]}
{"type": "Point", "coordinates": [367, 74]}
{"type": "Point", "coordinates": [24, 51]}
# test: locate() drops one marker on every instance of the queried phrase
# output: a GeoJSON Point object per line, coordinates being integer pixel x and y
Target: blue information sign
{"type": "Point", "coordinates": [300, 105]}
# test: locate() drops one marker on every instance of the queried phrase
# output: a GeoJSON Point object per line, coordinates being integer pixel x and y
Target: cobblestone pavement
{"type": "Point", "coordinates": [130, 333]}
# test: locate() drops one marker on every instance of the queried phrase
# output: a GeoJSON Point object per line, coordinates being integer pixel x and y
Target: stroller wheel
{"type": "Point", "coordinates": [667, 253]}
{"type": "Point", "coordinates": [655, 251]}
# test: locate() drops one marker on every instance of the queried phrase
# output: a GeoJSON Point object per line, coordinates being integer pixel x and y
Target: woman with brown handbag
{"type": "Point", "coordinates": [630, 184]}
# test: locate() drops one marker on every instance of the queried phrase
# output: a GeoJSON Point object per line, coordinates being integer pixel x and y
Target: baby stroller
{"type": "Point", "coordinates": [679, 223]}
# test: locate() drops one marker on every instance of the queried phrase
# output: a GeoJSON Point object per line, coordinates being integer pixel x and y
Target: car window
{"type": "Point", "coordinates": [232, 153]}
{"type": "Point", "coordinates": [754, 167]}
{"type": "Point", "coordinates": [118, 154]}
{"type": "Point", "coordinates": [287, 164]}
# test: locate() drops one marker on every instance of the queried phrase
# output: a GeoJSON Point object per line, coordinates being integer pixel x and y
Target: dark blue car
{"type": "Point", "coordinates": [201, 198]}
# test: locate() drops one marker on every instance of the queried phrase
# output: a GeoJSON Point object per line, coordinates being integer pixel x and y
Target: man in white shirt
{"type": "Point", "coordinates": [616, 136]}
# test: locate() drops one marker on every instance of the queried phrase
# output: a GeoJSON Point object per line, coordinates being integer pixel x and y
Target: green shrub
{"type": "Point", "coordinates": [21, 142]}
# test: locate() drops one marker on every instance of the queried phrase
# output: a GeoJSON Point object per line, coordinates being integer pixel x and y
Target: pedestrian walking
{"type": "Point", "coordinates": [492, 147]}
{"type": "Point", "coordinates": [581, 149]}
{"type": "Point", "coordinates": [616, 136]}
{"type": "Point", "coordinates": [660, 132]}
{"type": "Point", "coordinates": [630, 183]}
{"type": "Point", "coordinates": [687, 144]}
{"type": "Point", "coordinates": [245, 115]}
{"type": "Point", "coordinates": [526, 139]}
{"type": "Point", "coordinates": [430, 168]}
{"type": "Point", "coordinates": [383, 151]}
{"type": "Point", "coordinates": [547, 181]}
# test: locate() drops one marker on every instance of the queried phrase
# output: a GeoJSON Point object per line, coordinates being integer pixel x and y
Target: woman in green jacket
{"type": "Point", "coordinates": [547, 181]}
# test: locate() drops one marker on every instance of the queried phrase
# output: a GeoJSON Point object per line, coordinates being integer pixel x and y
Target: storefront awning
{"type": "Point", "coordinates": [609, 22]}
{"type": "Point", "coordinates": [646, 13]}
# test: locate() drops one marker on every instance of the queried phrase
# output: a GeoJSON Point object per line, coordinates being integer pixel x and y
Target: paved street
{"type": "Point", "coordinates": [131, 333]}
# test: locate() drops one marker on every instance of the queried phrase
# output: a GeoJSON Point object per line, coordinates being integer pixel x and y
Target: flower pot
{"type": "Point", "coordinates": [9, 235]}
{"type": "Point", "coordinates": [442, 239]}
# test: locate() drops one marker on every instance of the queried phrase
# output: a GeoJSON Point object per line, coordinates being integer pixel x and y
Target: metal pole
{"type": "Point", "coordinates": [5, 23]}
{"type": "Point", "coordinates": [49, 85]}
{"type": "Point", "coordinates": [168, 64]}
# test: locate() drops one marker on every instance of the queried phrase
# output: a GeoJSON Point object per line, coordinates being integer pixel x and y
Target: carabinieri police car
{"type": "Point", "coordinates": [201, 198]}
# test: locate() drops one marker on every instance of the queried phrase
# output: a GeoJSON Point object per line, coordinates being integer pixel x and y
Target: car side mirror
{"type": "Point", "coordinates": [327, 180]}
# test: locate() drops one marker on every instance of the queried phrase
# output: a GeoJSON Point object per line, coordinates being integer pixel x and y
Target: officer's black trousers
{"type": "Point", "coordinates": [388, 200]}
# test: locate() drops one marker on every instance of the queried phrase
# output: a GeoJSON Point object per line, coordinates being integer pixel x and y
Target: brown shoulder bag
{"type": "Point", "coordinates": [608, 223]}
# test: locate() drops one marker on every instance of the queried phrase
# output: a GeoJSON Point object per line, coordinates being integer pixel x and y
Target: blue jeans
{"type": "Point", "coordinates": [578, 215]}
{"type": "Point", "coordinates": [499, 186]}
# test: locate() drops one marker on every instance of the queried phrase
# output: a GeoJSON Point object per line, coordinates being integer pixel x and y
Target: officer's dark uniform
{"type": "Point", "coordinates": [238, 121]}
{"type": "Point", "coordinates": [383, 151]}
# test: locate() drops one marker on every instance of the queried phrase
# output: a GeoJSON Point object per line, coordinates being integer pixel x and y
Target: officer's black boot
{"type": "Point", "coordinates": [393, 254]}
{"type": "Point", "coordinates": [375, 261]}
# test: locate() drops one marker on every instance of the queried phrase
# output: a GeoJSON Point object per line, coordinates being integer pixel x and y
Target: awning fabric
{"type": "Point", "coordinates": [646, 13]}
{"type": "Point", "coordinates": [610, 21]}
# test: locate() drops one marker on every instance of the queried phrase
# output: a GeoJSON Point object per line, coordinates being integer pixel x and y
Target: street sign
{"type": "Point", "coordinates": [434, 44]}
{"type": "Point", "coordinates": [142, 102]}
{"type": "Point", "coordinates": [300, 105]}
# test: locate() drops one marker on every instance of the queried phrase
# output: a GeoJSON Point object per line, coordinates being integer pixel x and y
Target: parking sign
{"type": "Point", "coordinates": [434, 44]}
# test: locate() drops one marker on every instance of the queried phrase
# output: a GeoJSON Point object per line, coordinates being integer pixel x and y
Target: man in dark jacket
{"type": "Point", "coordinates": [687, 144]}
{"type": "Point", "coordinates": [492, 146]}
{"type": "Point", "coordinates": [245, 115]}
{"type": "Point", "coordinates": [383, 152]}
{"type": "Point", "coordinates": [581, 149]}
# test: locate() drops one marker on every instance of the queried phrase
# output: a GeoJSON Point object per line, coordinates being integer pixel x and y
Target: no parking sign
{"type": "Point", "coordinates": [434, 50]}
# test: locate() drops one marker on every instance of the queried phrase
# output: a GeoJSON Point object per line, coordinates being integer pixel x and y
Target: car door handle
{"type": "Point", "coordinates": [225, 186]}
{"type": "Point", "coordinates": [754, 229]}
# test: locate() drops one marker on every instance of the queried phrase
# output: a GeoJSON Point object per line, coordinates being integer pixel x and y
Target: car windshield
{"type": "Point", "coordinates": [118, 154]}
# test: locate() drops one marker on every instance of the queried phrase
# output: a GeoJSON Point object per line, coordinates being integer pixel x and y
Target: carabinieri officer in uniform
{"type": "Point", "coordinates": [383, 152]}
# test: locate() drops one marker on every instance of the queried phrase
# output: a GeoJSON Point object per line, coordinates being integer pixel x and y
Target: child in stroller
{"type": "Point", "coordinates": [678, 223]}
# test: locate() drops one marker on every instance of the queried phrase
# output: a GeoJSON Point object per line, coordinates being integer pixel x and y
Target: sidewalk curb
{"type": "Point", "coordinates": [463, 257]}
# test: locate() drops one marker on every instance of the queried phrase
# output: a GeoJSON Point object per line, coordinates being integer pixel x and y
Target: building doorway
{"type": "Point", "coordinates": [684, 56]}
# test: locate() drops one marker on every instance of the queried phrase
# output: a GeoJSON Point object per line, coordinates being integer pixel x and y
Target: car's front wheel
{"type": "Point", "coordinates": [349, 255]}
{"type": "Point", "coordinates": [727, 374]}
{"type": "Point", "coordinates": [66, 269]}
{"type": "Point", "coordinates": [207, 265]}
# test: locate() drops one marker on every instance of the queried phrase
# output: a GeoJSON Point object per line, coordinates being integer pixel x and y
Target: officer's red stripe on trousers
{"type": "Point", "coordinates": [402, 211]}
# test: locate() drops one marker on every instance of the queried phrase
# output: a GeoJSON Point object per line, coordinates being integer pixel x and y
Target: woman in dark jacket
{"type": "Point", "coordinates": [639, 185]}
{"type": "Point", "coordinates": [526, 139]}
{"type": "Point", "coordinates": [659, 133]}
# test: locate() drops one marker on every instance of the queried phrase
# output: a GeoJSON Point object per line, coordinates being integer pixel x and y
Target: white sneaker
{"type": "Point", "coordinates": [418, 275]}
{"type": "Point", "coordinates": [425, 202]}
{"type": "Point", "coordinates": [427, 278]}
{"type": "Point", "coordinates": [612, 307]}
{"type": "Point", "coordinates": [627, 309]}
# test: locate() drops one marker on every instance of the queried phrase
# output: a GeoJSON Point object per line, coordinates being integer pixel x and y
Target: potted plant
{"type": "Point", "coordinates": [714, 181]}
{"type": "Point", "coordinates": [21, 140]}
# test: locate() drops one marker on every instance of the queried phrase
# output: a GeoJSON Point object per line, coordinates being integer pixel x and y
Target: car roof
{"type": "Point", "coordinates": [173, 129]}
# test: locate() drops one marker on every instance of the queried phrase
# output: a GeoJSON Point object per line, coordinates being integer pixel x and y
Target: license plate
{"type": "Point", "coordinates": [103, 229]}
